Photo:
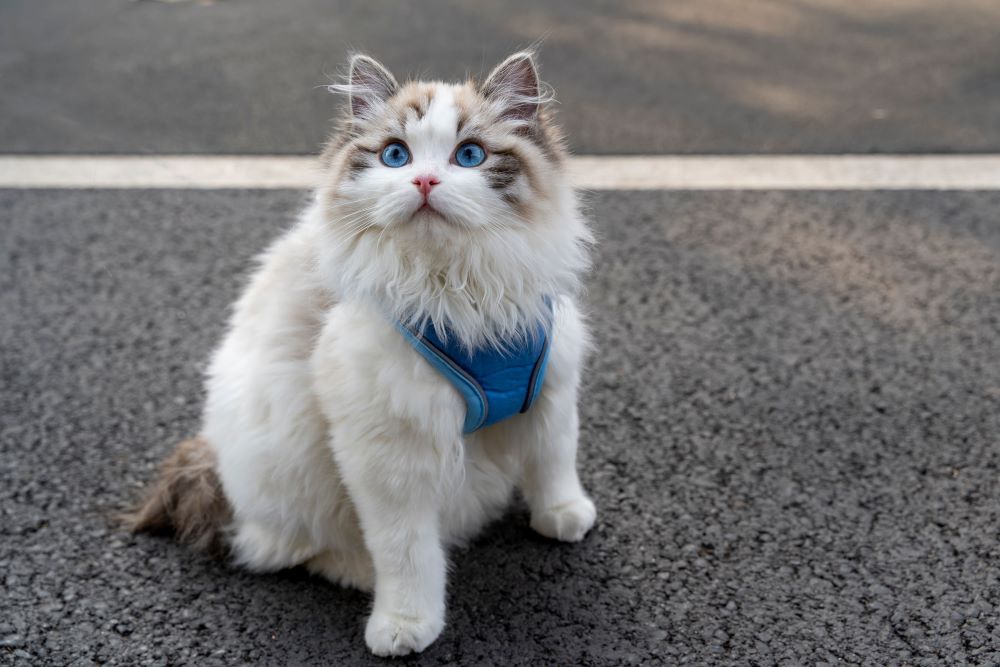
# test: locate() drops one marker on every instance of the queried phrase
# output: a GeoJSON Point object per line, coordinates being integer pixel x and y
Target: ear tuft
{"type": "Point", "coordinates": [370, 84]}
{"type": "Point", "coordinates": [514, 84]}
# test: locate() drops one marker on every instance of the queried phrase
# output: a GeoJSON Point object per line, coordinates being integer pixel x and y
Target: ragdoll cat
{"type": "Point", "coordinates": [335, 435]}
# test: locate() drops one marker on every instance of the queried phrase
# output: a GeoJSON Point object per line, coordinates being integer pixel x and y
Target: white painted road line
{"type": "Point", "coordinates": [157, 171]}
{"type": "Point", "coordinates": [789, 172]}
{"type": "Point", "coordinates": [670, 172]}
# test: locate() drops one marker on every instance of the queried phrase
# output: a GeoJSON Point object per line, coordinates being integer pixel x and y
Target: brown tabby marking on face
{"type": "Point", "coordinates": [334, 146]}
{"type": "Point", "coordinates": [359, 157]}
{"type": "Point", "coordinates": [532, 149]}
{"type": "Point", "coordinates": [357, 163]}
{"type": "Point", "coordinates": [513, 201]}
{"type": "Point", "coordinates": [509, 157]}
{"type": "Point", "coordinates": [412, 101]}
{"type": "Point", "coordinates": [503, 170]}
{"type": "Point", "coordinates": [530, 166]}
{"type": "Point", "coordinates": [546, 135]}
{"type": "Point", "coordinates": [463, 119]}
{"type": "Point", "coordinates": [467, 101]}
{"type": "Point", "coordinates": [418, 107]}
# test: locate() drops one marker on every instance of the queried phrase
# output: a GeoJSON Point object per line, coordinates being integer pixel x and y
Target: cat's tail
{"type": "Point", "coordinates": [186, 499]}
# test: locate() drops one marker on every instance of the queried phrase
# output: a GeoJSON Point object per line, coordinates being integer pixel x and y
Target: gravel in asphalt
{"type": "Point", "coordinates": [790, 431]}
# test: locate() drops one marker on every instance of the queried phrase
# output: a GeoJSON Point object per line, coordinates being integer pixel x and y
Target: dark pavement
{"type": "Point", "coordinates": [633, 76]}
{"type": "Point", "coordinates": [790, 430]}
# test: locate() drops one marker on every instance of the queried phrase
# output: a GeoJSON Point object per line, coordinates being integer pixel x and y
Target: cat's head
{"type": "Point", "coordinates": [453, 194]}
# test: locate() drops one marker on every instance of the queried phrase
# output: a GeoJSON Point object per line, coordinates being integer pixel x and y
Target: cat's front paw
{"type": "Point", "coordinates": [568, 521]}
{"type": "Point", "coordinates": [394, 634]}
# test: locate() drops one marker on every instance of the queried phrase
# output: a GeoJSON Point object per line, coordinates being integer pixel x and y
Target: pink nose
{"type": "Point", "coordinates": [425, 183]}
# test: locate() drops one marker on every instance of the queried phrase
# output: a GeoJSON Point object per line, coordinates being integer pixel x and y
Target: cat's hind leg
{"type": "Point", "coordinates": [345, 567]}
{"type": "Point", "coordinates": [260, 548]}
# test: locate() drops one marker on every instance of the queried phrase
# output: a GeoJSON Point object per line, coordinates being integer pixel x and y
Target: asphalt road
{"type": "Point", "coordinates": [633, 76]}
{"type": "Point", "coordinates": [792, 426]}
{"type": "Point", "coordinates": [790, 431]}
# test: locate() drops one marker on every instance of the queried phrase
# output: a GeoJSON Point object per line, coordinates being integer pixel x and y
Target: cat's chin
{"type": "Point", "coordinates": [428, 212]}
{"type": "Point", "coordinates": [428, 218]}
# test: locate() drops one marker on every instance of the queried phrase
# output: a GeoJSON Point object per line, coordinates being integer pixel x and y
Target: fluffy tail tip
{"type": "Point", "coordinates": [186, 498]}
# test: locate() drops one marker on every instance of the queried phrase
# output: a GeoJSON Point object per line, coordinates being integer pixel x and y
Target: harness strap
{"type": "Point", "coordinates": [495, 384]}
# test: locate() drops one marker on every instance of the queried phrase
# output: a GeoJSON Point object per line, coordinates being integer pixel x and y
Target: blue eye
{"type": "Point", "coordinates": [395, 155]}
{"type": "Point", "coordinates": [470, 155]}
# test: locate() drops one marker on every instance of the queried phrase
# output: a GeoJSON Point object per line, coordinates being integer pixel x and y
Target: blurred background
{"type": "Point", "coordinates": [632, 76]}
{"type": "Point", "coordinates": [790, 428]}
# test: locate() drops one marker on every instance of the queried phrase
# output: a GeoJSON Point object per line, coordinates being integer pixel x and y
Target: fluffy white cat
{"type": "Point", "coordinates": [327, 440]}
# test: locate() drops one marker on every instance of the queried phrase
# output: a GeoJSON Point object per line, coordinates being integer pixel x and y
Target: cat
{"type": "Point", "coordinates": [328, 440]}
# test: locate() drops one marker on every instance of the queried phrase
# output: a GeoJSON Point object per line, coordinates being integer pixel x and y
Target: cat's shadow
{"type": "Point", "coordinates": [508, 576]}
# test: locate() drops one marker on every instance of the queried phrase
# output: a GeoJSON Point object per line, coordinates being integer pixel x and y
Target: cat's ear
{"type": "Point", "coordinates": [514, 84]}
{"type": "Point", "coordinates": [370, 84]}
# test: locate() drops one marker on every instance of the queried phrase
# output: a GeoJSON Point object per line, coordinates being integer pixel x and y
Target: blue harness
{"type": "Point", "coordinates": [496, 384]}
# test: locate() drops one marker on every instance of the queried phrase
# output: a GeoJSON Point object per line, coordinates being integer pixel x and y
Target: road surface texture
{"type": "Point", "coordinates": [790, 429]}
{"type": "Point", "coordinates": [633, 76]}
{"type": "Point", "coordinates": [791, 426]}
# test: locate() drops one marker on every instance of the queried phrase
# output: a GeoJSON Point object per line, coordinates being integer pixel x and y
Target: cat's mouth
{"type": "Point", "coordinates": [427, 209]}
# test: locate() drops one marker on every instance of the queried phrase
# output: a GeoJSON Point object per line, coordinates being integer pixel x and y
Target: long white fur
{"type": "Point", "coordinates": [338, 446]}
